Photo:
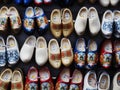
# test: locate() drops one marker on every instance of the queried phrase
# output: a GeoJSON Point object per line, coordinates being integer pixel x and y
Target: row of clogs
{"type": "Point", "coordinates": [64, 81]}
{"type": "Point", "coordinates": [84, 54]}
{"type": "Point", "coordinates": [61, 21]}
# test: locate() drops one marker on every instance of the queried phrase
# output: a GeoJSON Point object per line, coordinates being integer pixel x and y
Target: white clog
{"type": "Point", "coordinates": [41, 54]}
{"type": "Point", "coordinates": [27, 49]}
{"type": "Point", "coordinates": [94, 21]}
{"type": "Point", "coordinates": [81, 21]}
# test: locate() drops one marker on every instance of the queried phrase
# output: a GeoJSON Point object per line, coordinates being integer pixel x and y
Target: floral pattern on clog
{"type": "Point", "coordinates": [17, 85]}
{"type": "Point", "coordinates": [3, 85]}
{"type": "Point", "coordinates": [42, 22]}
{"type": "Point", "coordinates": [2, 58]}
{"type": "Point", "coordinates": [3, 23]}
{"type": "Point", "coordinates": [117, 26]}
{"type": "Point", "coordinates": [55, 56]}
{"type": "Point", "coordinates": [66, 53]}
{"type": "Point", "coordinates": [108, 26]}
{"type": "Point", "coordinates": [61, 86]}
{"type": "Point", "coordinates": [15, 22]}
{"type": "Point", "coordinates": [47, 86]}
{"type": "Point", "coordinates": [117, 56]}
{"type": "Point", "coordinates": [80, 58]}
{"type": "Point", "coordinates": [12, 56]}
{"type": "Point", "coordinates": [92, 58]}
{"type": "Point", "coordinates": [29, 24]}
{"type": "Point", "coordinates": [74, 87]}
{"type": "Point", "coordinates": [31, 86]}
{"type": "Point", "coordinates": [106, 59]}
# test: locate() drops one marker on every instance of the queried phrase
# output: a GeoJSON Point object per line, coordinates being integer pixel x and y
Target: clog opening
{"type": "Point", "coordinates": [92, 80]}
{"type": "Point", "coordinates": [104, 82]}
{"type": "Point", "coordinates": [81, 45]}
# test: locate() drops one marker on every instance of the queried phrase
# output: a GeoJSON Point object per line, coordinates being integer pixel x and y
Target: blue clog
{"type": "Point", "coordinates": [18, 1]}
{"type": "Point", "coordinates": [41, 20]}
{"type": "Point", "coordinates": [80, 53]}
{"type": "Point", "coordinates": [27, 2]}
{"type": "Point", "coordinates": [2, 52]}
{"type": "Point", "coordinates": [28, 23]}
{"type": "Point", "coordinates": [92, 55]}
{"type": "Point", "coordinates": [12, 50]}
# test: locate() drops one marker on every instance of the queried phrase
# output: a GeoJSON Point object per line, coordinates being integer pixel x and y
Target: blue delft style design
{"type": "Point", "coordinates": [108, 26]}
{"type": "Point", "coordinates": [2, 59]}
{"type": "Point", "coordinates": [18, 1]}
{"type": "Point", "coordinates": [63, 86]}
{"type": "Point", "coordinates": [33, 86]}
{"type": "Point", "coordinates": [45, 86]}
{"type": "Point", "coordinates": [74, 87]}
{"type": "Point", "coordinates": [79, 56]}
{"type": "Point", "coordinates": [12, 56]}
{"type": "Point", "coordinates": [42, 22]}
{"type": "Point", "coordinates": [117, 28]}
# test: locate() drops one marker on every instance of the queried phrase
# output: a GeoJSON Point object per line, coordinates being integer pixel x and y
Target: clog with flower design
{"type": "Point", "coordinates": [45, 79]}
{"type": "Point", "coordinates": [5, 78]}
{"type": "Point", "coordinates": [32, 79]}
{"type": "Point", "coordinates": [76, 82]}
{"type": "Point", "coordinates": [106, 54]}
{"type": "Point", "coordinates": [63, 80]}
{"type": "Point", "coordinates": [28, 23]}
{"type": "Point", "coordinates": [3, 18]}
{"type": "Point", "coordinates": [80, 53]}
{"type": "Point", "coordinates": [54, 53]}
{"type": "Point", "coordinates": [17, 80]}
{"type": "Point", "coordinates": [12, 50]}
{"type": "Point", "coordinates": [117, 51]}
{"type": "Point", "coordinates": [92, 55]}
{"type": "Point", "coordinates": [2, 52]}
{"type": "Point", "coordinates": [15, 20]}
{"type": "Point", "coordinates": [66, 52]}
{"type": "Point", "coordinates": [41, 19]}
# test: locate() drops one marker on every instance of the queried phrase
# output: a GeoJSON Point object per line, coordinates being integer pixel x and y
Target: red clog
{"type": "Point", "coordinates": [106, 54]}
{"type": "Point", "coordinates": [76, 82]}
{"type": "Point", "coordinates": [117, 51]}
{"type": "Point", "coordinates": [45, 79]}
{"type": "Point", "coordinates": [63, 80]}
{"type": "Point", "coordinates": [47, 2]}
{"type": "Point", "coordinates": [32, 79]}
